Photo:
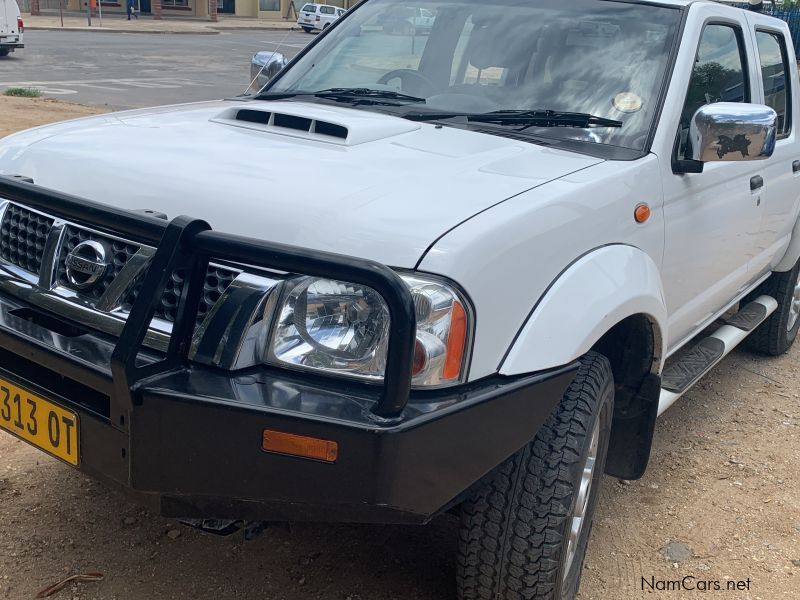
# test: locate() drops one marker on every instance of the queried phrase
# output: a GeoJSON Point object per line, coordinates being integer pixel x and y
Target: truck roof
{"type": "Point", "coordinates": [682, 3]}
{"type": "Point", "coordinates": [685, 2]}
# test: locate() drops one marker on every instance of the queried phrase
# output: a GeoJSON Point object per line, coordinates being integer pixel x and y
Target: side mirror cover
{"type": "Point", "coordinates": [733, 131]}
{"type": "Point", "coordinates": [263, 67]}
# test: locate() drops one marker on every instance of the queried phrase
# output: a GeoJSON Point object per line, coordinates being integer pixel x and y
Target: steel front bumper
{"type": "Point", "coordinates": [192, 445]}
{"type": "Point", "coordinates": [186, 439]}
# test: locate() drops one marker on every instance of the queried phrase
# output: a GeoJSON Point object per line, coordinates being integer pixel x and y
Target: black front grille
{"type": "Point", "coordinates": [217, 281]}
{"type": "Point", "coordinates": [118, 253]}
{"type": "Point", "coordinates": [23, 234]}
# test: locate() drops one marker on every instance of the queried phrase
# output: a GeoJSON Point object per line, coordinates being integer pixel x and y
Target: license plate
{"type": "Point", "coordinates": [39, 422]}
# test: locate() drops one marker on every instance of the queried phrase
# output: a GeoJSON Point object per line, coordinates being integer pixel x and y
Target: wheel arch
{"type": "Point", "coordinates": [590, 297]}
{"type": "Point", "coordinates": [610, 300]}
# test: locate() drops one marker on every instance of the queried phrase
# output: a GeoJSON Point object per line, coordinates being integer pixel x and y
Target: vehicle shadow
{"type": "Point", "coordinates": [55, 521]}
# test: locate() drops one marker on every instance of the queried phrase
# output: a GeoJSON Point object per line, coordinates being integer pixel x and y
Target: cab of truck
{"type": "Point", "coordinates": [11, 27]}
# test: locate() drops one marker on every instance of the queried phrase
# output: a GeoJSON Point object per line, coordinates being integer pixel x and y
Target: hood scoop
{"type": "Point", "coordinates": [345, 127]}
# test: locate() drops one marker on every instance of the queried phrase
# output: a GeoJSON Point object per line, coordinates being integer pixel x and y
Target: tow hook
{"type": "Point", "coordinates": [226, 527]}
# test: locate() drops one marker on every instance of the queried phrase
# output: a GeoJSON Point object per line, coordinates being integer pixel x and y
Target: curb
{"type": "Point", "coordinates": [253, 28]}
{"type": "Point", "coordinates": [205, 31]}
{"type": "Point", "coordinates": [107, 30]}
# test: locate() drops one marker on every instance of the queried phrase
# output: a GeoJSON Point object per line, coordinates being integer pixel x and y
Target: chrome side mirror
{"type": "Point", "coordinates": [263, 67]}
{"type": "Point", "coordinates": [732, 131]}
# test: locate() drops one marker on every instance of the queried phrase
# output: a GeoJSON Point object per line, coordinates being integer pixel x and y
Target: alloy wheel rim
{"type": "Point", "coordinates": [578, 520]}
{"type": "Point", "coordinates": [794, 307]}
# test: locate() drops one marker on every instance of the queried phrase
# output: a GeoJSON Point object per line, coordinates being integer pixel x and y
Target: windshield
{"type": "Point", "coordinates": [466, 56]}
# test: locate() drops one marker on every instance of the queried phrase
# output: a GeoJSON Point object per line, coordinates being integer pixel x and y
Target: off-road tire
{"type": "Point", "coordinates": [773, 336]}
{"type": "Point", "coordinates": [515, 528]}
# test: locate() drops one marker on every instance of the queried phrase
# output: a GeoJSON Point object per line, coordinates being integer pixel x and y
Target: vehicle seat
{"type": "Point", "coordinates": [484, 53]}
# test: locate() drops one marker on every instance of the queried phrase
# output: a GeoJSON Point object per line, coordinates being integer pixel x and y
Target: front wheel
{"type": "Point", "coordinates": [524, 532]}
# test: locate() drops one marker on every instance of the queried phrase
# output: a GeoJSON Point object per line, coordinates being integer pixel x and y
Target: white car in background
{"type": "Point", "coordinates": [318, 16]}
{"type": "Point", "coordinates": [11, 27]}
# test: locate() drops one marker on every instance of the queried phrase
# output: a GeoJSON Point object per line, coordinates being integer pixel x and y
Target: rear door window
{"type": "Point", "coordinates": [327, 10]}
{"type": "Point", "coordinates": [774, 61]}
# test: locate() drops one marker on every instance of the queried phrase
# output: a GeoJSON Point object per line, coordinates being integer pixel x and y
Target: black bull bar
{"type": "Point", "coordinates": [188, 243]}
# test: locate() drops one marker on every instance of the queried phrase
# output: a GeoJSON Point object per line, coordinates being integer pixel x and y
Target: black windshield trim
{"type": "Point", "coordinates": [593, 149]}
{"type": "Point", "coordinates": [672, 59]}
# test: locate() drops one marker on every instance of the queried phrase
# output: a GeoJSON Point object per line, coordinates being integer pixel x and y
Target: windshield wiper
{"type": "Point", "coordinates": [347, 93]}
{"type": "Point", "coordinates": [351, 95]}
{"type": "Point", "coordinates": [523, 118]}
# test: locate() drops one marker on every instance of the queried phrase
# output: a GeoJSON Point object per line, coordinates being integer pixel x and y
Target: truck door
{"type": "Point", "coordinates": [711, 218]}
{"type": "Point", "coordinates": [781, 194]}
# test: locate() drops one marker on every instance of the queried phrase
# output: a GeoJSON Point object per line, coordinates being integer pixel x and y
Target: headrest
{"type": "Point", "coordinates": [491, 46]}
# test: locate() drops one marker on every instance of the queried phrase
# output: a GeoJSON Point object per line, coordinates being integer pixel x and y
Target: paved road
{"type": "Point", "coordinates": [135, 70]}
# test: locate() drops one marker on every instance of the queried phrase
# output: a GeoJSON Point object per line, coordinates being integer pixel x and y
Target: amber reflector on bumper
{"type": "Point", "coordinates": [299, 445]}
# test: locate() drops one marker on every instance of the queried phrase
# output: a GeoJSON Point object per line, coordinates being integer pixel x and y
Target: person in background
{"type": "Point", "coordinates": [131, 9]}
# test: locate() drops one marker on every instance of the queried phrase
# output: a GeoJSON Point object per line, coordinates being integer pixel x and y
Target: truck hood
{"type": "Point", "coordinates": [328, 178]}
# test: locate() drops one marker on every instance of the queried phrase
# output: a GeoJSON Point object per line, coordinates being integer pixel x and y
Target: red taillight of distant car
{"type": "Point", "coordinates": [20, 25]}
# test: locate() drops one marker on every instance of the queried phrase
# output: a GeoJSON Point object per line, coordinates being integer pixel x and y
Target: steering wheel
{"type": "Point", "coordinates": [421, 85]}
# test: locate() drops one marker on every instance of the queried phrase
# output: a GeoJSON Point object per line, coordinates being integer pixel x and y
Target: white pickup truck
{"type": "Point", "coordinates": [12, 29]}
{"type": "Point", "coordinates": [457, 272]}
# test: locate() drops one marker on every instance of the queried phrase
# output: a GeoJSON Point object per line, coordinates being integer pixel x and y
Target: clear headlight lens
{"type": "Point", "coordinates": [332, 326]}
{"type": "Point", "coordinates": [343, 328]}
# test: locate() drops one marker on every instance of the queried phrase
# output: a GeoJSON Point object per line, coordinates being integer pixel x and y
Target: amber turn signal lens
{"type": "Point", "coordinates": [641, 213]}
{"type": "Point", "coordinates": [299, 445]}
{"type": "Point", "coordinates": [456, 343]}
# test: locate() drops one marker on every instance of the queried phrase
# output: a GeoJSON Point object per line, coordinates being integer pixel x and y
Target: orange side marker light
{"type": "Point", "coordinates": [641, 213]}
{"type": "Point", "coordinates": [456, 343]}
{"type": "Point", "coordinates": [299, 445]}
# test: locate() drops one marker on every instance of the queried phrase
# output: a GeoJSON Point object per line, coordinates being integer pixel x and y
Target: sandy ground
{"type": "Point", "coordinates": [723, 486]}
{"type": "Point", "coordinates": [21, 113]}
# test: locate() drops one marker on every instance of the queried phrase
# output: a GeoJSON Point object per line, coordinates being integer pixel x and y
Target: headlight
{"type": "Point", "coordinates": [332, 326]}
{"type": "Point", "coordinates": [343, 328]}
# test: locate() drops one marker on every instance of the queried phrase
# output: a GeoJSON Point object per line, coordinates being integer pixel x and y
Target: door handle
{"type": "Point", "coordinates": [796, 166]}
{"type": "Point", "coordinates": [756, 183]}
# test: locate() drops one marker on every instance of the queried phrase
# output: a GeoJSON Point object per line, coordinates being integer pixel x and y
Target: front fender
{"type": "Point", "coordinates": [593, 294]}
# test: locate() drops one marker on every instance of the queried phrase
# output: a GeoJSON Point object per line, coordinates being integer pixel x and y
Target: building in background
{"type": "Point", "coordinates": [262, 9]}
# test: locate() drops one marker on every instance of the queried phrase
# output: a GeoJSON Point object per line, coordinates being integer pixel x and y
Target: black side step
{"type": "Point", "coordinates": [680, 375]}
{"type": "Point", "coordinates": [749, 317]}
